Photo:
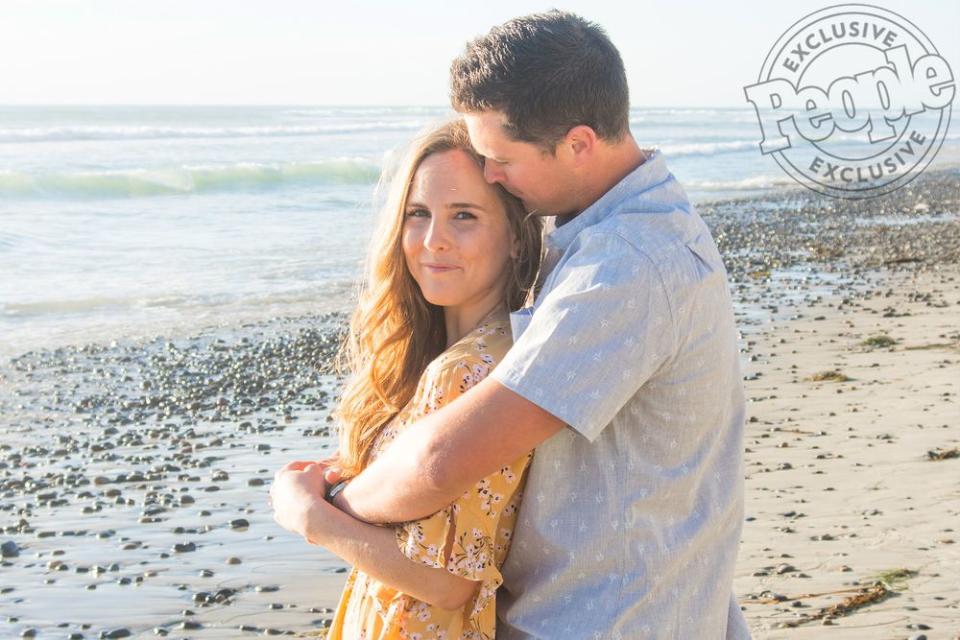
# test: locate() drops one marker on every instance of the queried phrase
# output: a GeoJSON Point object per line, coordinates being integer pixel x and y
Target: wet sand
{"type": "Point", "coordinates": [133, 477]}
{"type": "Point", "coordinates": [134, 483]}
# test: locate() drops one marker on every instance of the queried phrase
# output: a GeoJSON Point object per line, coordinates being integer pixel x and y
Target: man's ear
{"type": "Point", "coordinates": [581, 140]}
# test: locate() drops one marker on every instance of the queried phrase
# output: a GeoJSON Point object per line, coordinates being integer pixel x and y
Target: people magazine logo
{"type": "Point", "coordinates": [853, 101]}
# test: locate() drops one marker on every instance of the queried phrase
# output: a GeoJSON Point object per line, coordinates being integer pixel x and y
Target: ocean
{"type": "Point", "coordinates": [124, 222]}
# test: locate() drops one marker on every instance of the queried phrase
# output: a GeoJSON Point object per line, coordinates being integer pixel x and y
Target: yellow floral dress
{"type": "Point", "coordinates": [480, 521]}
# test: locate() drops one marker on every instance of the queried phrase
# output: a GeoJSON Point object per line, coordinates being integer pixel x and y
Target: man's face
{"type": "Point", "coordinates": [544, 182]}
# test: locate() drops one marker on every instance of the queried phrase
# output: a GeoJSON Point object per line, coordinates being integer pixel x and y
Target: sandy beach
{"type": "Point", "coordinates": [852, 371]}
{"type": "Point", "coordinates": [134, 475]}
{"type": "Point", "coordinates": [846, 498]}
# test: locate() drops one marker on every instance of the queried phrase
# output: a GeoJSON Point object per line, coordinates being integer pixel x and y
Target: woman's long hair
{"type": "Point", "coordinates": [394, 332]}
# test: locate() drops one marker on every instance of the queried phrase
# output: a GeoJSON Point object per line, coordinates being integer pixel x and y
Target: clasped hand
{"type": "Point", "coordinates": [297, 496]}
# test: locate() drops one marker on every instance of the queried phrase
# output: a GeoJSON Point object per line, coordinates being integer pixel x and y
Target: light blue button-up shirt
{"type": "Point", "coordinates": [631, 516]}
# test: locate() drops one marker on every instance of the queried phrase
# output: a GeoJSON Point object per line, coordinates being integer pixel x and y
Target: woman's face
{"type": "Point", "coordinates": [456, 237]}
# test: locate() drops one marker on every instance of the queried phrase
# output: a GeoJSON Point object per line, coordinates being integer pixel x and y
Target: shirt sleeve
{"type": "Point", "coordinates": [601, 331]}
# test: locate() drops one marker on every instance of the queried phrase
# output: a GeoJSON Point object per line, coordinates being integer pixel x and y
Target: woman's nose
{"type": "Point", "coordinates": [437, 238]}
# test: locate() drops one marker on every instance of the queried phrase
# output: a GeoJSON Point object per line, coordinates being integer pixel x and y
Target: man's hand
{"type": "Point", "coordinates": [298, 494]}
{"type": "Point", "coordinates": [332, 472]}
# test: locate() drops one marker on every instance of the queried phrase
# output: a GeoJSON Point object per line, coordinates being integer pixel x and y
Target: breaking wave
{"type": "Point", "coordinates": [131, 183]}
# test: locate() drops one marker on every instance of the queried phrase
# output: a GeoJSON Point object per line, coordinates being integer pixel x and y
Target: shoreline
{"type": "Point", "coordinates": [784, 227]}
{"type": "Point", "coordinates": [141, 468]}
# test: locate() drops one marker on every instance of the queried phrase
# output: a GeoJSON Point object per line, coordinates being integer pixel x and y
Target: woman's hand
{"type": "Point", "coordinates": [298, 497]}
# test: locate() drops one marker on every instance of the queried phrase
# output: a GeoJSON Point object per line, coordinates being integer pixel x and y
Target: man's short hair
{"type": "Point", "coordinates": [547, 72]}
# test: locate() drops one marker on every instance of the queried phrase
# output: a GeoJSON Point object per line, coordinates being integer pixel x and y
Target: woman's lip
{"type": "Point", "coordinates": [439, 267]}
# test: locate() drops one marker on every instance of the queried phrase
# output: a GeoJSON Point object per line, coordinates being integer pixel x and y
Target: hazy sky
{"type": "Point", "coordinates": [315, 52]}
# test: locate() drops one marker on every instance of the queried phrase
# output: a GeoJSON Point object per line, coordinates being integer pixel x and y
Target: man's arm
{"type": "Point", "coordinates": [433, 461]}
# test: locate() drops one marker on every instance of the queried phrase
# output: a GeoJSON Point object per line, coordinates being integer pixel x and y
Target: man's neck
{"type": "Point", "coordinates": [619, 161]}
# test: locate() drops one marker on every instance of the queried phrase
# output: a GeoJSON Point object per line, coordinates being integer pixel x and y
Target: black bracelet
{"type": "Point", "coordinates": [335, 489]}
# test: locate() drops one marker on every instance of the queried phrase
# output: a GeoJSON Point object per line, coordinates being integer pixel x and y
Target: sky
{"type": "Point", "coordinates": [693, 53]}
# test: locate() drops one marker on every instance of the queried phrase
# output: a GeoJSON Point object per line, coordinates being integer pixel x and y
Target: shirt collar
{"type": "Point", "coordinates": [649, 174]}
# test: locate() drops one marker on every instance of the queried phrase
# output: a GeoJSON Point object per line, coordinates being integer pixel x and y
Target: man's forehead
{"type": "Point", "coordinates": [486, 128]}
{"type": "Point", "coordinates": [490, 118]}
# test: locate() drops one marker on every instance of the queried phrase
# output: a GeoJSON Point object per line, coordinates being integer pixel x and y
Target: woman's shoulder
{"type": "Point", "coordinates": [473, 357]}
{"type": "Point", "coordinates": [487, 344]}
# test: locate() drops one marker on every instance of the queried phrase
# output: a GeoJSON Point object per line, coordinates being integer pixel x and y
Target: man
{"type": "Point", "coordinates": [624, 374]}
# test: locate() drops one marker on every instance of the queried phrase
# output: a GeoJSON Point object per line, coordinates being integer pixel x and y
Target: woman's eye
{"type": "Point", "coordinates": [464, 215]}
{"type": "Point", "coordinates": [418, 213]}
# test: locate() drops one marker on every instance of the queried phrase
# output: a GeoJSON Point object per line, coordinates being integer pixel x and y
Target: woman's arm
{"type": "Point", "coordinates": [374, 551]}
{"type": "Point", "coordinates": [297, 499]}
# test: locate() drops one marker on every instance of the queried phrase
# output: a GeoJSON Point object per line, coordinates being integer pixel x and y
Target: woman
{"type": "Point", "coordinates": [452, 256]}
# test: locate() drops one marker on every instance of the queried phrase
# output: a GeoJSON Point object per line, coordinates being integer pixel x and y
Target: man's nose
{"type": "Point", "coordinates": [491, 172]}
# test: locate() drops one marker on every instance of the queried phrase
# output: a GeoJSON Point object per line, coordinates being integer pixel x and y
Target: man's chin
{"type": "Point", "coordinates": [545, 209]}
{"type": "Point", "coordinates": [535, 210]}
